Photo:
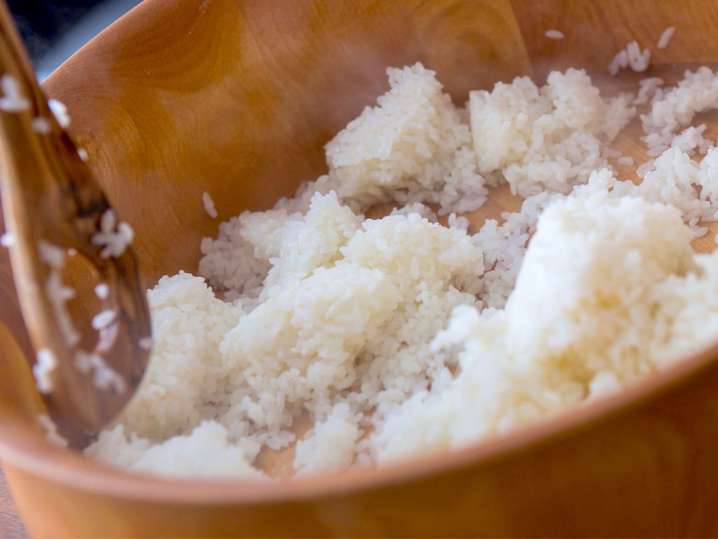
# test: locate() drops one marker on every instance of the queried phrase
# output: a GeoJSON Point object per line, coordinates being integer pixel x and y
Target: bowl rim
{"type": "Point", "coordinates": [22, 446]}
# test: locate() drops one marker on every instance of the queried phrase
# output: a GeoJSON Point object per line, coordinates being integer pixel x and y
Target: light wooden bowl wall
{"type": "Point", "coordinates": [237, 98]}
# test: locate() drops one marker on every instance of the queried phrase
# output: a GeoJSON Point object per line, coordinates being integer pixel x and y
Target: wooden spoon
{"type": "Point", "coordinates": [58, 217]}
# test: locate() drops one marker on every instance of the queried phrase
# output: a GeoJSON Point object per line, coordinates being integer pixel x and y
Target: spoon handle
{"type": "Point", "coordinates": [53, 208]}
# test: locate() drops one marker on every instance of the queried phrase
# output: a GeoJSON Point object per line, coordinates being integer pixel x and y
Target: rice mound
{"type": "Point", "coordinates": [587, 315]}
{"type": "Point", "coordinates": [546, 139]}
{"type": "Point", "coordinates": [400, 334]}
{"type": "Point", "coordinates": [670, 110]}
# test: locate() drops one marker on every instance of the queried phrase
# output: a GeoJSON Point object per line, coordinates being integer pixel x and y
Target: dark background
{"type": "Point", "coordinates": [43, 22]}
{"type": "Point", "coordinates": [54, 29]}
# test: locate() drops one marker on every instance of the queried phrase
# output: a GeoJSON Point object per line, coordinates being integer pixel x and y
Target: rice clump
{"type": "Point", "coordinates": [632, 57]}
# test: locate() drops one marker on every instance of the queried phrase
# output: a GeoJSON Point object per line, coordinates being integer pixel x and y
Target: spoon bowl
{"type": "Point", "coordinates": [55, 211]}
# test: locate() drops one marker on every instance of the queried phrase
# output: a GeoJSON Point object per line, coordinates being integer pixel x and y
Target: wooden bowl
{"type": "Point", "coordinates": [237, 98]}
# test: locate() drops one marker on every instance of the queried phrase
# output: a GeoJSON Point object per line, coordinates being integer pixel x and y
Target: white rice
{"type": "Point", "coordinates": [330, 445]}
{"type": "Point", "coordinates": [619, 62]}
{"type": "Point", "coordinates": [673, 179]}
{"type": "Point", "coordinates": [51, 433]}
{"type": "Point", "coordinates": [103, 319]}
{"type": "Point", "coordinates": [691, 140]}
{"type": "Point", "coordinates": [209, 206]}
{"type": "Point", "coordinates": [7, 240]}
{"type": "Point", "coordinates": [554, 34]}
{"type": "Point", "coordinates": [82, 154]}
{"type": "Point", "coordinates": [632, 57]}
{"type": "Point", "coordinates": [45, 364]}
{"type": "Point", "coordinates": [57, 292]}
{"type": "Point", "coordinates": [592, 267]}
{"type": "Point", "coordinates": [102, 290]}
{"type": "Point", "coordinates": [666, 37]}
{"type": "Point", "coordinates": [645, 168]}
{"type": "Point", "coordinates": [113, 236]}
{"type": "Point", "coordinates": [107, 336]}
{"type": "Point", "coordinates": [398, 334]}
{"type": "Point", "coordinates": [545, 139]}
{"type": "Point", "coordinates": [426, 156]}
{"type": "Point", "coordinates": [13, 99]}
{"type": "Point", "coordinates": [649, 88]}
{"type": "Point", "coordinates": [638, 60]}
{"type": "Point", "coordinates": [675, 109]}
{"type": "Point", "coordinates": [59, 110]}
{"type": "Point", "coordinates": [41, 125]}
{"type": "Point", "coordinates": [103, 376]}
{"type": "Point", "coordinates": [145, 343]}
{"type": "Point", "coordinates": [181, 455]}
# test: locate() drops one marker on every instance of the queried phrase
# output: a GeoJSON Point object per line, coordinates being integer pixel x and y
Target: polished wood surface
{"type": "Point", "coordinates": [237, 98]}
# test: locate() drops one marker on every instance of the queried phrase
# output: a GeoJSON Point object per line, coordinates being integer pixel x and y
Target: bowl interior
{"type": "Point", "coordinates": [237, 99]}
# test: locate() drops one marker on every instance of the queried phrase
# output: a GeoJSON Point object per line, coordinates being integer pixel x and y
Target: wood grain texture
{"type": "Point", "coordinates": [596, 30]}
{"type": "Point", "coordinates": [185, 116]}
{"type": "Point", "coordinates": [237, 98]}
